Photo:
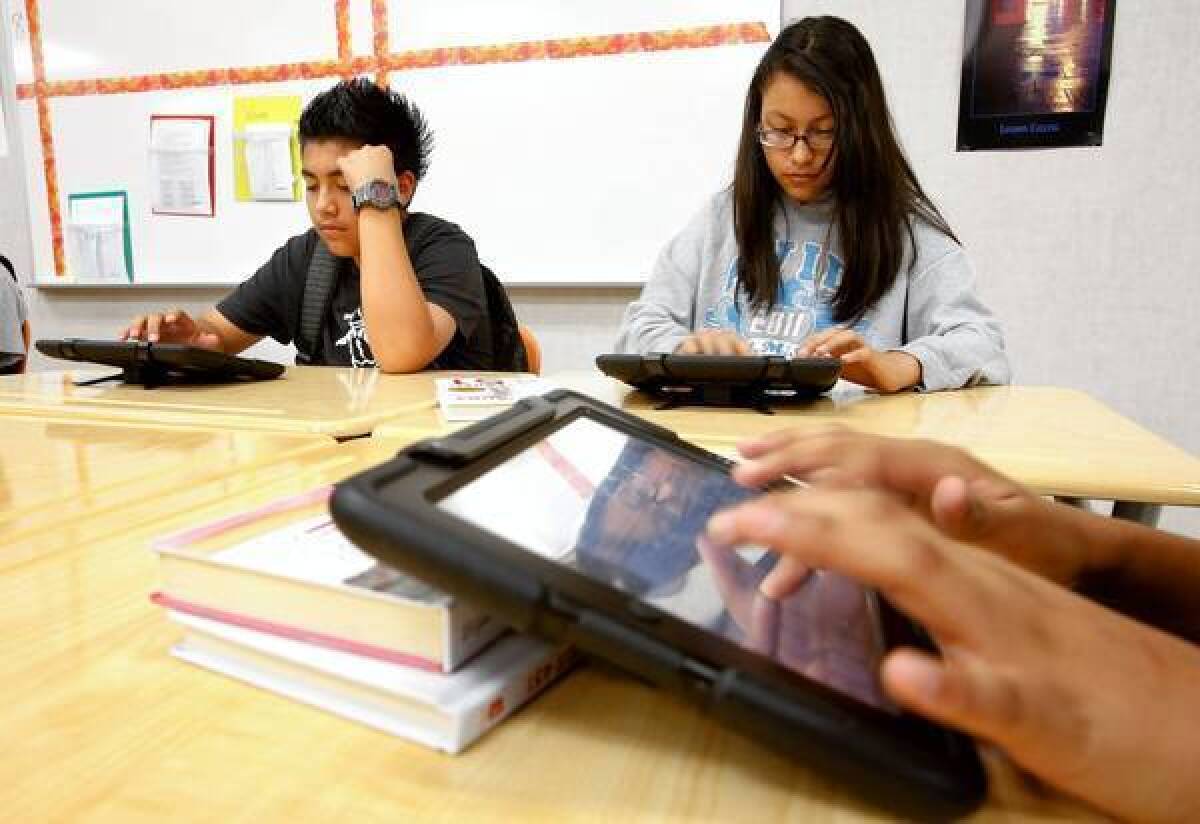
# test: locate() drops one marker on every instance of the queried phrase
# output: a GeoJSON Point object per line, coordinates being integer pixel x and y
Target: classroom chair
{"type": "Point", "coordinates": [533, 349]}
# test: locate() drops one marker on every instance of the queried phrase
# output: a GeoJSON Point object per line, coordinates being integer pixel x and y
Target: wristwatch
{"type": "Point", "coordinates": [378, 194]}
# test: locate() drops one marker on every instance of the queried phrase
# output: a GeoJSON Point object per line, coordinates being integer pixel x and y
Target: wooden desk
{"type": "Point", "coordinates": [101, 724]}
{"type": "Point", "coordinates": [311, 399]}
{"type": "Point", "coordinates": [53, 470]}
{"type": "Point", "coordinates": [1056, 441]}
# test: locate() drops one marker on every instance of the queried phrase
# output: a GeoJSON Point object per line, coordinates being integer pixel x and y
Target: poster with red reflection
{"type": "Point", "coordinates": [1035, 73]}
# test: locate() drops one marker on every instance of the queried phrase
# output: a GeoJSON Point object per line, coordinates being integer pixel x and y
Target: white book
{"type": "Point", "coordinates": [442, 711]}
{"type": "Point", "coordinates": [476, 398]}
{"type": "Point", "coordinates": [285, 568]}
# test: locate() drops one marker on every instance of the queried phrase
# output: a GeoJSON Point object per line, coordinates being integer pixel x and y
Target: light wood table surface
{"type": "Point", "coordinates": [54, 470]}
{"type": "Point", "coordinates": [1056, 441]}
{"type": "Point", "coordinates": [341, 402]}
{"type": "Point", "coordinates": [101, 724]}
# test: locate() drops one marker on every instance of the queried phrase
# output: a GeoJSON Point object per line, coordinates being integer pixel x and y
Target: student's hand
{"type": "Point", "coordinates": [965, 498]}
{"type": "Point", "coordinates": [1095, 704]}
{"type": "Point", "coordinates": [824, 631]}
{"type": "Point", "coordinates": [175, 326]}
{"type": "Point", "coordinates": [366, 164]}
{"type": "Point", "coordinates": [713, 342]}
{"type": "Point", "coordinates": [886, 371]}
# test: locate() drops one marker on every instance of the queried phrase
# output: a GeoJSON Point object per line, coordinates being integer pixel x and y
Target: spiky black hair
{"type": "Point", "coordinates": [360, 110]}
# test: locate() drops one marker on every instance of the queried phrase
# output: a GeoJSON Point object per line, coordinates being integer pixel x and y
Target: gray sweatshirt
{"type": "Point", "coordinates": [694, 287]}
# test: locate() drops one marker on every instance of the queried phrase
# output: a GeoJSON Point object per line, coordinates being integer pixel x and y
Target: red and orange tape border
{"type": "Point", "coordinates": [381, 61]}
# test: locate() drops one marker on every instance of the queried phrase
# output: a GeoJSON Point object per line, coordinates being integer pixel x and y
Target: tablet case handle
{"type": "Point", "coordinates": [470, 444]}
{"type": "Point", "coordinates": [477, 440]}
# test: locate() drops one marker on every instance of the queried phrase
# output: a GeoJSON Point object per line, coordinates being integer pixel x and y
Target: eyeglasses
{"type": "Point", "coordinates": [817, 140]}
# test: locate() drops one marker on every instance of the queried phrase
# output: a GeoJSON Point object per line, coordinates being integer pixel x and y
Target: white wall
{"type": "Point", "coordinates": [1089, 255]}
{"type": "Point", "coordinates": [510, 138]}
{"type": "Point", "coordinates": [15, 241]}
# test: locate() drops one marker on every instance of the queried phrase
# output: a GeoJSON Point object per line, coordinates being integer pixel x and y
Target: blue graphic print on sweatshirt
{"type": "Point", "coordinates": [809, 278]}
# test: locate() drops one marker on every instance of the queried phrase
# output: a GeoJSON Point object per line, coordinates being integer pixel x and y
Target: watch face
{"type": "Point", "coordinates": [378, 193]}
{"type": "Point", "coordinates": [382, 193]}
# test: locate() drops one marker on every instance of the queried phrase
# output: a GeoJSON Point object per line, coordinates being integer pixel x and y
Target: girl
{"type": "Point", "coordinates": [825, 244]}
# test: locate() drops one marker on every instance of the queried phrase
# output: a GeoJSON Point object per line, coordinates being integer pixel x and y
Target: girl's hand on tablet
{"type": "Point", "coordinates": [713, 342]}
{"type": "Point", "coordinates": [1070, 690]}
{"type": "Point", "coordinates": [886, 371]}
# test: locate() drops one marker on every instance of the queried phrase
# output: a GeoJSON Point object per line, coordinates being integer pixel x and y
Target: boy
{"type": "Point", "coordinates": [407, 291]}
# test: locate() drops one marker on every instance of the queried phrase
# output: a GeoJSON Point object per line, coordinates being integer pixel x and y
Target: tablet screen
{"type": "Point", "coordinates": [631, 514]}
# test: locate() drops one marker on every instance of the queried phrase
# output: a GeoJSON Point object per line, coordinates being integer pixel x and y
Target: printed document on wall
{"type": "Point", "coordinates": [181, 165]}
{"type": "Point", "coordinates": [98, 246]}
{"type": "Point", "coordinates": [269, 161]}
{"type": "Point", "coordinates": [266, 152]}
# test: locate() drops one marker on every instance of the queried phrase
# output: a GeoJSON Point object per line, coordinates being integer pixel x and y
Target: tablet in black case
{"type": "Point", "coordinates": [153, 364]}
{"type": "Point", "coordinates": [724, 379]}
{"type": "Point", "coordinates": [575, 521]}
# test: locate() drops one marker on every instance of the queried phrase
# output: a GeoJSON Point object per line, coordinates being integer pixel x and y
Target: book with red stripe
{"type": "Point", "coordinates": [445, 711]}
{"type": "Point", "coordinates": [286, 570]}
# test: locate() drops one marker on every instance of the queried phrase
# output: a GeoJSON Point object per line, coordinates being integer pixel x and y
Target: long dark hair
{"type": "Point", "coordinates": [875, 192]}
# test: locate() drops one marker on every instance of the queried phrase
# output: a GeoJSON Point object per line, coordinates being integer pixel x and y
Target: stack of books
{"type": "Point", "coordinates": [279, 598]}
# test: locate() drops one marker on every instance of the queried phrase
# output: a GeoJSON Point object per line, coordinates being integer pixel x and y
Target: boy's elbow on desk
{"type": "Point", "coordinates": [401, 363]}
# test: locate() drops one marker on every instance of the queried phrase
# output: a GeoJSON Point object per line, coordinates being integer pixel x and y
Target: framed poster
{"type": "Point", "coordinates": [1034, 73]}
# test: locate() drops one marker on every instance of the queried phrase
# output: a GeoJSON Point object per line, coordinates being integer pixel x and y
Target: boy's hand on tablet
{"type": "Point", "coordinates": [175, 326]}
{"type": "Point", "coordinates": [965, 498]}
{"type": "Point", "coordinates": [886, 371]}
{"type": "Point", "coordinates": [1068, 689]}
{"type": "Point", "coordinates": [713, 342]}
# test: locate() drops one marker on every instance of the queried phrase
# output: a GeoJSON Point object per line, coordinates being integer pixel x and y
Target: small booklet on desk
{"type": "Point", "coordinates": [443, 711]}
{"type": "Point", "coordinates": [285, 569]}
{"type": "Point", "coordinates": [476, 398]}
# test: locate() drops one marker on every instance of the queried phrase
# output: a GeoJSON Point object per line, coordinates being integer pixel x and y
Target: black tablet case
{"type": "Point", "coordinates": [388, 511]}
{"type": "Point", "coordinates": [154, 364]}
{"type": "Point", "coordinates": [723, 379]}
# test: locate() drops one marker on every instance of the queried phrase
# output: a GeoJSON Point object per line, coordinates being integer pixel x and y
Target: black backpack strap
{"type": "Point", "coordinates": [7, 264]}
{"type": "Point", "coordinates": [508, 352]}
{"type": "Point", "coordinates": [322, 275]}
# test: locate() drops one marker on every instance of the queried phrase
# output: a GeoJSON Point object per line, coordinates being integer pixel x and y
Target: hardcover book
{"type": "Point", "coordinates": [443, 711]}
{"type": "Point", "coordinates": [285, 569]}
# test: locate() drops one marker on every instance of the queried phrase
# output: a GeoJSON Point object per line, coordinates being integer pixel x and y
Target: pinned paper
{"type": "Point", "coordinates": [181, 165]}
{"type": "Point", "coordinates": [268, 148]}
{"type": "Point", "coordinates": [266, 157]}
{"type": "Point", "coordinates": [98, 245]}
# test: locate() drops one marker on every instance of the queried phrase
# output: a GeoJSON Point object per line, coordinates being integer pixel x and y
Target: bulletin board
{"type": "Point", "coordinates": [571, 140]}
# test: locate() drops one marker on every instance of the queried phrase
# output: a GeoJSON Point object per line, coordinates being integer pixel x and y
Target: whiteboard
{"type": "Point", "coordinates": [564, 171]}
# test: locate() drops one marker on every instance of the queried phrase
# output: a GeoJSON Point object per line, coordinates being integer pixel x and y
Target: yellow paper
{"type": "Point", "coordinates": [258, 112]}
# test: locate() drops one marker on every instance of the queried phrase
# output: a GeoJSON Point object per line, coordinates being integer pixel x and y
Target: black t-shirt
{"type": "Point", "coordinates": [444, 259]}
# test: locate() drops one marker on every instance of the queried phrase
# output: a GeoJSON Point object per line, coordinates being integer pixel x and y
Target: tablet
{"type": "Point", "coordinates": [575, 521]}
{"type": "Point", "coordinates": [153, 364]}
{"type": "Point", "coordinates": [724, 379]}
